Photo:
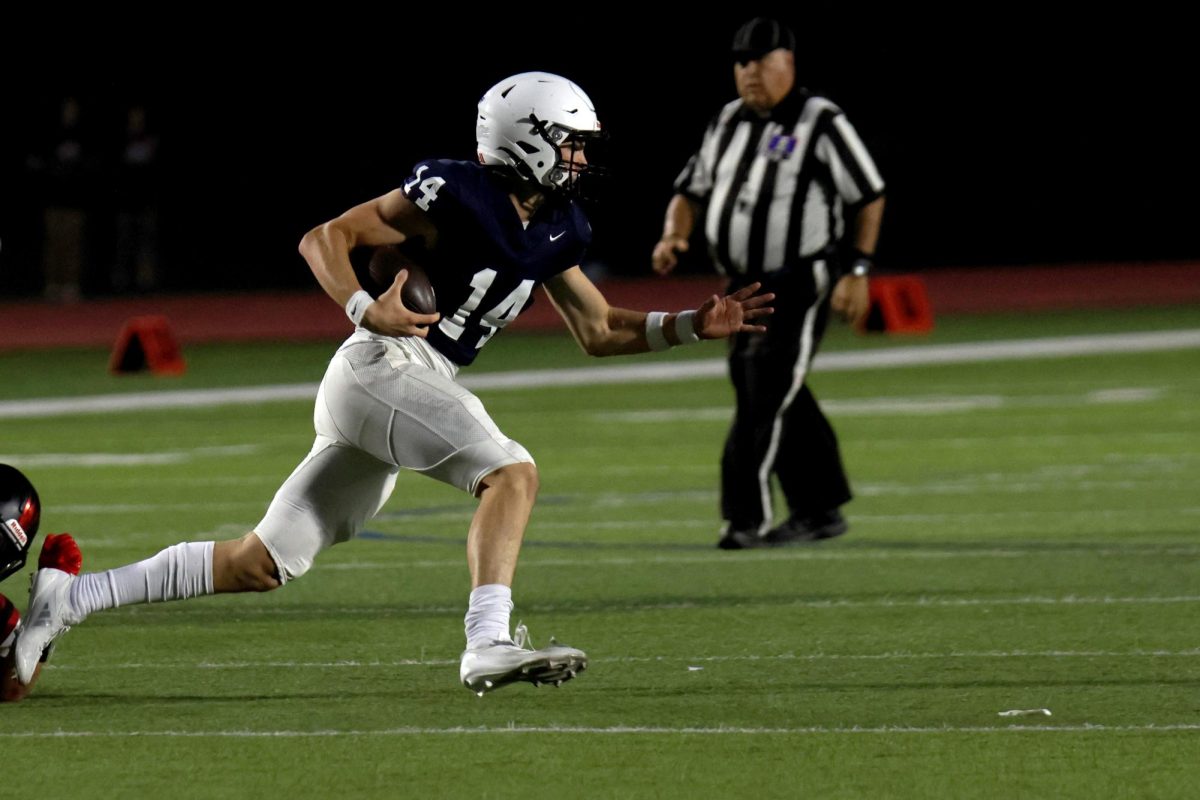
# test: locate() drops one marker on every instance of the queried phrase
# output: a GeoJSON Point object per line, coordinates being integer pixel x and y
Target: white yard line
{"type": "Point", "coordinates": [531, 559]}
{"type": "Point", "coordinates": [621, 730]}
{"type": "Point", "coordinates": [686, 605]}
{"type": "Point", "coordinates": [91, 665]}
{"type": "Point", "coordinates": [883, 406]}
{"type": "Point", "coordinates": [922, 355]}
{"type": "Point", "coordinates": [124, 459]}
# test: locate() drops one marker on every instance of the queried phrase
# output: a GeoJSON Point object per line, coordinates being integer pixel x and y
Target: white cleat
{"type": "Point", "coordinates": [501, 663]}
{"type": "Point", "coordinates": [49, 616]}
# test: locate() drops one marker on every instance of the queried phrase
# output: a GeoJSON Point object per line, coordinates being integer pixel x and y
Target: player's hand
{"type": "Point", "coordinates": [851, 298]}
{"type": "Point", "coordinates": [60, 551]}
{"type": "Point", "coordinates": [665, 256]}
{"type": "Point", "coordinates": [390, 317]}
{"type": "Point", "coordinates": [724, 316]}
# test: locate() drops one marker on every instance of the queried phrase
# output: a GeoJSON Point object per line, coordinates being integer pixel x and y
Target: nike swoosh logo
{"type": "Point", "coordinates": [556, 238]}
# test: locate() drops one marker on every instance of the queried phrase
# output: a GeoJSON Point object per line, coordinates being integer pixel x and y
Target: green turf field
{"type": "Point", "coordinates": [1025, 536]}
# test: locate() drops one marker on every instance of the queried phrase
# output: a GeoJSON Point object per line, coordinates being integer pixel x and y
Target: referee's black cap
{"type": "Point", "coordinates": [760, 36]}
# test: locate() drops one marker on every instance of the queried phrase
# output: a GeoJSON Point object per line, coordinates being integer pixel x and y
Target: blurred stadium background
{"type": "Point", "coordinates": [1023, 137]}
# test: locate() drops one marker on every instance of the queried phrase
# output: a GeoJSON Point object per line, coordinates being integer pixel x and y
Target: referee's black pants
{"type": "Point", "coordinates": [778, 428]}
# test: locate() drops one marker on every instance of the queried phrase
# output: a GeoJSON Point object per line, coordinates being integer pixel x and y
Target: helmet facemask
{"type": "Point", "coordinates": [568, 174]}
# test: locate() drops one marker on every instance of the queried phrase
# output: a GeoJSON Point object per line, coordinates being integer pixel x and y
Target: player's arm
{"type": "Point", "coordinates": [603, 330]}
{"type": "Point", "coordinates": [389, 219]}
{"type": "Point", "coordinates": [11, 689]}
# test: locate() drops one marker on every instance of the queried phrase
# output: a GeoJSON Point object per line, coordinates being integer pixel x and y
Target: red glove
{"type": "Point", "coordinates": [59, 551]}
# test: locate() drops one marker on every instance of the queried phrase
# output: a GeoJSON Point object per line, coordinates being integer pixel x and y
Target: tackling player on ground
{"type": "Point", "coordinates": [20, 514]}
{"type": "Point", "coordinates": [487, 234]}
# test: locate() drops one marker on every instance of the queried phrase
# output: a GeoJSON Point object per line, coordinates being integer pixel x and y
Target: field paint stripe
{"type": "Point", "coordinates": [622, 730]}
{"type": "Point", "coordinates": [124, 459]}
{"type": "Point", "coordinates": [903, 656]}
{"type": "Point", "coordinates": [530, 558]}
{"type": "Point", "coordinates": [146, 401]}
{"type": "Point", "coordinates": [999, 486]}
{"type": "Point", "coordinates": [920, 602]}
{"type": "Point", "coordinates": [806, 657]}
{"type": "Point", "coordinates": [974, 352]}
{"type": "Point", "coordinates": [921, 355]}
{"type": "Point", "coordinates": [146, 508]}
{"type": "Point", "coordinates": [883, 406]}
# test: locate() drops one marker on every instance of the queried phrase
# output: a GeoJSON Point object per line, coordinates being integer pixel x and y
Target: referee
{"type": "Point", "coordinates": [785, 193]}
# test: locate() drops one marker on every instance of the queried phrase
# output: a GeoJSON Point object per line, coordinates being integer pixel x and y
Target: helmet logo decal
{"type": "Point", "coordinates": [16, 532]}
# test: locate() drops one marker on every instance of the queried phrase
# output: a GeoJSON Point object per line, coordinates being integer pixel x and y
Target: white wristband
{"type": "Point", "coordinates": [356, 306]}
{"type": "Point", "coordinates": [685, 327]}
{"type": "Point", "coordinates": [654, 331]}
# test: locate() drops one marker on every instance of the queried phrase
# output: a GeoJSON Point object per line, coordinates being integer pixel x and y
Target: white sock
{"type": "Point", "coordinates": [487, 615]}
{"type": "Point", "coordinates": [179, 572]}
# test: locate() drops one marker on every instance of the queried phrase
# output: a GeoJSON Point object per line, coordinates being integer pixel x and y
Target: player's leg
{"type": "Point", "coordinates": [506, 500]}
{"type": "Point", "coordinates": [493, 658]}
{"type": "Point", "coordinates": [409, 414]}
{"type": "Point", "coordinates": [243, 565]}
{"type": "Point", "coordinates": [425, 421]}
{"type": "Point", "coordinates": [58, 600]}
{"type": "Point", "coordinates": [326, 499]}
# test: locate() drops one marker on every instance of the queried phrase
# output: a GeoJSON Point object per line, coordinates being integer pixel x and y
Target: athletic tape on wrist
{"type": "Point", "coordinates": [685, 327]}
{"type": "Point", "coordinates": [356, 306]}
{"type": "Point", "coordinates": [654, 331]}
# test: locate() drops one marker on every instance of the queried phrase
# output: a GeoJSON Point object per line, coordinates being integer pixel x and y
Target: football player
{"type": "Point", "coordinates": [20, 513]}
{"type": "Point", "coordinates": [488, 233]}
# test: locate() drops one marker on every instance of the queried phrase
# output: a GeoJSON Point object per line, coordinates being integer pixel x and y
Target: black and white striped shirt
{"type": "Point", "coordinates": [775, 188]}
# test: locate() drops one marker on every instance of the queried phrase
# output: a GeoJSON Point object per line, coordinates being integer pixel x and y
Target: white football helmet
{"type": "Point", "coordinates": [523, 120]}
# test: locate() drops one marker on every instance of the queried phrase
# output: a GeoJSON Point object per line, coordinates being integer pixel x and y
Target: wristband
{"type": "Point", "coordinates": [685, 327]}
{"type": "Point", "coordinates": [654, 331]}
{"type": "Point", "coordinates": [356, 306]}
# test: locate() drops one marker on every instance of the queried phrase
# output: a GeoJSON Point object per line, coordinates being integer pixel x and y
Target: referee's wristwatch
{"type": "Point", "coordinates": [860, 267]}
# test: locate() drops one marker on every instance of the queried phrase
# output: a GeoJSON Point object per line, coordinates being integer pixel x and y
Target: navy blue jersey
{"type": "Point", "coordinates": [486, 265]}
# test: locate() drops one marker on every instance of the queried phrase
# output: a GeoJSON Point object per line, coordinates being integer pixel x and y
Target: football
{"type": "Point", "coordinates": [381, 270]}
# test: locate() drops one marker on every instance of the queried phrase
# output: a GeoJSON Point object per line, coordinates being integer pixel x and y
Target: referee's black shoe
{"type": "Point", "coordinates": [735, 539]}
{"type": "Point", "coordinates": [821, 526]}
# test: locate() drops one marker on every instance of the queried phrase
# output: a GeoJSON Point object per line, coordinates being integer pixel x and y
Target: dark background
{"type": "Point", "coordinates": [1006, 134]}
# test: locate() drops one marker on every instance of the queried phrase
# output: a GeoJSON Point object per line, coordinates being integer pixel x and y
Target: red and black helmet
{"type": "Point", "coordinates": [20, 511]}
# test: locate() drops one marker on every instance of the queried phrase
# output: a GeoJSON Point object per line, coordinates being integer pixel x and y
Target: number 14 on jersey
{"type": "Point", "coordinates": [504, 312]}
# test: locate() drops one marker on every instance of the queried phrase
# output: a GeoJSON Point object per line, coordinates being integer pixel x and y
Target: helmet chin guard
{"type": "Point", "coordinates": [523, 122]}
